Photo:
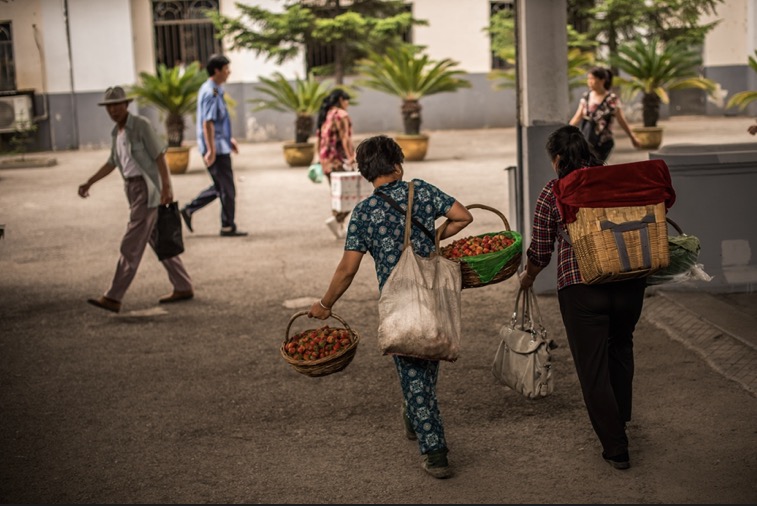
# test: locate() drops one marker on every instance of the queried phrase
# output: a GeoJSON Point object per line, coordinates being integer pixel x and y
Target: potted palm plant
{"type": "Point", "coordinates": [410, 75]}
{"type": "Point", "coordinates": [652, 68]}
{"type": "Point", "coordinates": [303, 98]}
{"type": "Point", "coordinates": [173, 92]}
{"type": "Point", "coordinates": [743, 98]}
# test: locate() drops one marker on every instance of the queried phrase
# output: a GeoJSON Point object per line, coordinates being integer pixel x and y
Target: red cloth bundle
{"type": "Point", "coordinates": [621, 185]}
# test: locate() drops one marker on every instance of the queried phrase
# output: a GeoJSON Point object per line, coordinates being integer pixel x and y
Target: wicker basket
{"type": "Point", "coordinates": [471, 278]}
{"type": "Point", "coordinates": [618, 243]}
{"type": "Point", "coordinates": [322, 366]}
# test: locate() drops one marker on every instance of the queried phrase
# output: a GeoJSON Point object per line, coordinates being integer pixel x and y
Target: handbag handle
{"type": "Point", "coordinates": [530, 314]}
{"type": "Point", "coordinates": [409, 215]}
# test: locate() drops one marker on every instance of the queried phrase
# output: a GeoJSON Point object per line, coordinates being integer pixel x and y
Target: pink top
{"type": "Point", "coordinates": [331, 148]}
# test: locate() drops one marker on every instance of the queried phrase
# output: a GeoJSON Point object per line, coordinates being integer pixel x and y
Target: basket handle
{"type": "Point", "coordinates": [476, 206]}
{"type": "Point", "coordinates": [303, 313]}
{"type": "Point", "coordinates": [675, 225]}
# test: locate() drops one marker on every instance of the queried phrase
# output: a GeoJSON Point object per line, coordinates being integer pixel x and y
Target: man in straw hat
{"type": "Point", "coordinates": [138, 153]}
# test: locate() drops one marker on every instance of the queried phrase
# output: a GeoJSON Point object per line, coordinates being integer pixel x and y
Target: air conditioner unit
{"type": "Point", "coordinates": [15, 112]}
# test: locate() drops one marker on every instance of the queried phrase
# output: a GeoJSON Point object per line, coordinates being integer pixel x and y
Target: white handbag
{"type": "Point", "coordinates": [523, 361]}
{"type": "Point", "coordinates": [420, 303]}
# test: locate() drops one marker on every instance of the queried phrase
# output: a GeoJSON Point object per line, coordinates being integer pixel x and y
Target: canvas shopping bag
{"type": "Point", "coordinates": [419, 307]}
{"type": "Point", "coordinates": [169, 241]}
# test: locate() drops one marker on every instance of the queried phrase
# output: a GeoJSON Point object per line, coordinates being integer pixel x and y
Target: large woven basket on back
{"type": "Point", "coordinates": [618, 243]}
{"type": "Point", "coordinates": [326, 365]}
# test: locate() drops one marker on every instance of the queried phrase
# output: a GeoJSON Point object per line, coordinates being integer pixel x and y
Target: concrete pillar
{"type": "Point", "coordinates": [542, 46]}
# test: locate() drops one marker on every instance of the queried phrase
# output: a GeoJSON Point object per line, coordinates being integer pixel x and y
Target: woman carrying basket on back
{"type": "Point", "coordinates": [599, 319]}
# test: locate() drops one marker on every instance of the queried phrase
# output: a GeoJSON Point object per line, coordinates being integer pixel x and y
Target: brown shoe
{"type": "Point", "coordinates": [177, 296]}
{"type": "Point", "coordinates": [106, 303]}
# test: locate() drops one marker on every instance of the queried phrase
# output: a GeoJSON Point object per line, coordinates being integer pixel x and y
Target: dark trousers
{"type": "Point", "coordinates": [599, 322]}
{"type": "Point", "coordinates": [603, 150]}
{"type": "Point", "coordinates": [223, 188]}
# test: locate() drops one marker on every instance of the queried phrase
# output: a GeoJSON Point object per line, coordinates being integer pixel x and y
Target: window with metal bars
{"type": "Point", "coordinates": [7, 62]}
{"type": "Point", "coordinates": [495, 7]}
{"type": "Point", "coordinates": [183, 33]}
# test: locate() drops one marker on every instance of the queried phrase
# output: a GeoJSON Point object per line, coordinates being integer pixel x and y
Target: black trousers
{"type": "Point", "coordinates": [603, 150]}
{"type": "Point", "coordinates": [223, 188]}
{"type": "Point", "coordinates": [599, 322]}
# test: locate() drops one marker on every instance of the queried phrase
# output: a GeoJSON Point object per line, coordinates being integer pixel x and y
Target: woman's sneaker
{"type": "Point", "coordinates": [435, 463]}
{"type": "Point", "coordinates": [334, 226]}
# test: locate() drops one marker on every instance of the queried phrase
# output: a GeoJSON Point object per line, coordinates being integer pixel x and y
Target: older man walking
{"type": "Point", "coordinates": [139, 156]}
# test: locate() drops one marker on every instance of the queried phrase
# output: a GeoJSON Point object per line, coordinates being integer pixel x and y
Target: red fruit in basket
{"type": "Point", "coordinates": [344, 342]}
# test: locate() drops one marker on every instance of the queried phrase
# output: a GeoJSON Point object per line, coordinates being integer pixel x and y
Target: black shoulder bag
{"type": "Point", "coordinates": [588, 125]}
{"type": "Point", "coordinates": [389, 200]}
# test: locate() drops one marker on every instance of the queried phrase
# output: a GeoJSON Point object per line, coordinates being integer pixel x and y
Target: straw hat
{"type": "Point", "coordinates": [115, 95]}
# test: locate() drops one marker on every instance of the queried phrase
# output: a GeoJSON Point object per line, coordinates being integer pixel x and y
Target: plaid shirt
{"type": "Point", "coordinates": [547, 225]}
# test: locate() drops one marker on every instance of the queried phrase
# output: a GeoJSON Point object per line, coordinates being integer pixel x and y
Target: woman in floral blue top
{"type": "Point", "coordinates": [377, 228]}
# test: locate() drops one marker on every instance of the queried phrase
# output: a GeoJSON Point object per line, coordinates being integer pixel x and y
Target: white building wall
{"type": "Point", "coordinates": [101, 44]}
{"type": "Point", "coordinates": [24, 16]}
{"type": "Point", "coordinates": [143, 36]}
{"type": "Point", "coordinates": [55, 47]}
{"type": "Point", "coordinates": [456, 31]}
{"type": "Point", "coordinates": [728, 43]}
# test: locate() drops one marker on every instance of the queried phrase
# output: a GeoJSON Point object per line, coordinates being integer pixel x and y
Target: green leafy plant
{"type": "Point", "coordinates": [351, 30]}
{"type": "Point", "coordinates": [174, 93]}
{"type": "Point", "coordinates": [616, 22]}
{"type": "Point", "coordinates": [409, 74]}
{"type": "Point", "coordinates": [652, 68]}
{"type": "Point", "coordinates": [22, 137]}
{"type": "Point", "coordinates": [743, 98]}
{"type": "Point", "coordinates": [303, 97]}
{"type": "Point", "coordinates": [501, 32]}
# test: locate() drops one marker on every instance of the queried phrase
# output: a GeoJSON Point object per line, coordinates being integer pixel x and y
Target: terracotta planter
{"type": "Point", "coordinates": [414, 147]}
{"type": "Point", "coordinates": [177, 159]}
{"type": "Point", "coordinates": [649, 137]}
{"type": "Point", "coordinates": [299, 154]}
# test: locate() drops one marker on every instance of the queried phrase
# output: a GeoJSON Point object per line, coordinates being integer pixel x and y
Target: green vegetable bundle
{"type": "Point", "coordinates": [684, 253]}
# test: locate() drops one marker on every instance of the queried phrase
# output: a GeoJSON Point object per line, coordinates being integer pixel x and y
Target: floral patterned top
{"type": "Point", "coordinates": [377, 228]}
{"type": "Point", "coordinates": [330, 144]}
{"type": "Point", "coordinates": [602, 114]}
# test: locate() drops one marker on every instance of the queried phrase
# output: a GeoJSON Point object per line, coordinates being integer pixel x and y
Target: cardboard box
{"type": "Point", "coordinates": [347, 189]}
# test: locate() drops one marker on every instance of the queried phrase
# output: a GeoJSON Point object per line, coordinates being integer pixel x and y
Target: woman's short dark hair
{"type": "Point", "coordinates": [604, 74]}
{"type": "Point", "coordinates": [376, 156]}
{"type": "Point", "coordinates": [570, 145]}
{"type": "Point", "coordinates": [216, 62]}
{"type": "Point", "coordinates": [330, 101]}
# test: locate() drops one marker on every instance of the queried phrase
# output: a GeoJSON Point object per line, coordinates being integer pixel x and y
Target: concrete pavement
{"type": "Point", "coordinates": [58, 250]}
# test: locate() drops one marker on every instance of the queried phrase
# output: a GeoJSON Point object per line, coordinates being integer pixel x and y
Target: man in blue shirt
{"type": "Point", "coordinates": [216, 145]}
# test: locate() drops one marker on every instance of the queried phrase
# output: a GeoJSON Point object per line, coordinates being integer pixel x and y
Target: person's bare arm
{"type": "Point", "coordinates": [209, 132]}
{"type": "Point", "coordinates": [346, 140]}
{"type": "Point", "coordinates": [528, 276]}
{"type": "Point", "coordinates": [340, 281]}
{"type": "Point", "coordinates": [103, 171]}
{"type": "Point", "coordinates": [577, 116]}
{"type": "Point", "coordinates": [624, 125]}
{"type": "Point", "coordinates": [166, 191]}
{"type": "Point", "coordinates": [458, 217]}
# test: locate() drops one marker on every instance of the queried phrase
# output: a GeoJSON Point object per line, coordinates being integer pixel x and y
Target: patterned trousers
{"type": "Point", "coordinates": [418, 382]}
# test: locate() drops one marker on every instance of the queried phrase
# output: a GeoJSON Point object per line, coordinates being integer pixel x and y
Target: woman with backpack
{"type": "Point", "coordinates": [596, 111]}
